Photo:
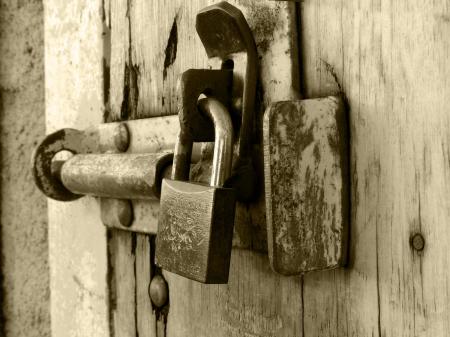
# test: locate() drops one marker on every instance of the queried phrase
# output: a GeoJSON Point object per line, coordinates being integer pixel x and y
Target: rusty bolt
{"type": "Point", "coordinates": [121, 137]}
{"type": "Point", "coordinates": [124, 211]}
{"type": "Point", "coordinates": [158, 291]}
{"type": "Point", "coordinates": [418, 242]}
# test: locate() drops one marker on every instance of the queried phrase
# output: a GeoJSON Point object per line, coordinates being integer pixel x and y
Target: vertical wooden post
{"type": "Point", "coordinates": [74, 98]}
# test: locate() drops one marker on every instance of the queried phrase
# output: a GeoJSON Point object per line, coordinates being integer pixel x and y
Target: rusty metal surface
{"type": "Point", "coordinates": [149, 135]}
{"type": "Point", "coordinates": [116, 175]}
{"type": "Point", "coordinates": [193, 83]}
{"type": "Point", "coordinates": [144, 212]}
{"type": "Point", "coordinates": [194, 125]}
{"type": "Point", "coordinates": [132, 136]}
{"type": "Point", "coordinates": [306, 184]}
{"type": "Point", "coordinates": [51, 186]}
{"type": "Point", "coordinates": [228, 39]}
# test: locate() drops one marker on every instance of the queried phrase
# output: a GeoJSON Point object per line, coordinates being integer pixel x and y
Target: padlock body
{"type": "Point", "coordinates": [195, 230]}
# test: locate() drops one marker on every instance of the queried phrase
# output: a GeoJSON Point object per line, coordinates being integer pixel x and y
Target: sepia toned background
{"type": "Point", "coordinates": [390, 59]}
{"type": "Point", "coordinates": [24, 247]}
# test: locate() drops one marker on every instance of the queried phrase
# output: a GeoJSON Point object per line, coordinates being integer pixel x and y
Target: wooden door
{"type": "Point", "coordinates": [115, 60]}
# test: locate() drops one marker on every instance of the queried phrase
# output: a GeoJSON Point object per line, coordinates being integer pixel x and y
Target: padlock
{"type": "Point", "coordinates": [195, 228]}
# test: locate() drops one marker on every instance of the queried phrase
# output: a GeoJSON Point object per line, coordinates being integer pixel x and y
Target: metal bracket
{"type": "Point", "coordinates": [122, 163]}
{"type": "Point", "coordinates": [229, 43]}
{"type": "Point", "coordinates": [306, 169]}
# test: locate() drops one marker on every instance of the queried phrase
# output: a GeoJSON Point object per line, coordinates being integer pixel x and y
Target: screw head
{"type": "Point", "coordinates": [158, 291]}
{"type": "Point", "coordinates": [124, 212]}
{"type": "Point", "coordinates": [418, 242]}
{"type": "Point", "coordinates": [121, 137]}
{"type": "Point", "coordinates": [237, 104]}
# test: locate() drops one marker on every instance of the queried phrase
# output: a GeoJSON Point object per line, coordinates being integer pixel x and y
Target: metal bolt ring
{"type": "Point", "coordinates": [64, 139]}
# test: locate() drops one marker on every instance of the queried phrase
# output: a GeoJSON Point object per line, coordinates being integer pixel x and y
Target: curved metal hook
{"type": "Point", "coordinates": [225, 34]}
{"type": "Point", "coordinates": [51, 186]}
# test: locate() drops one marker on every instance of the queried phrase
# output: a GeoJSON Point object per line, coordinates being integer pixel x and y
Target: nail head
{"type": "Point", "coordinates": [125, 212]}
{"type": "Point", "coordinates": [418, 242]}
{"type": "Point", "coordinates": [158, 291]}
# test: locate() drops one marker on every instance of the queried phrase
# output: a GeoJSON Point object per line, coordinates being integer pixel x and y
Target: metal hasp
{"type": "Point", "coordinates": [196, 221]}
{"type": "Point", "coordinates": [306, 169]}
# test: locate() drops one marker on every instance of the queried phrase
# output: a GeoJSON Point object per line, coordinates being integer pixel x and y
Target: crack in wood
{"type": "Point", "coordinates": [130, 98]}
{"type": "Point", "coordinates": [130, 91]}
{"type": "Point", "coordinates": [171, 48]}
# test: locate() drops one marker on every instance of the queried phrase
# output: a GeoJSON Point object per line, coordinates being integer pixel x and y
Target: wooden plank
{"type": "Point", "coordinates": [74, 98]}
{"type": "Point", "coordinates": [164, 44]}
{"type": "Point", "coordinates": [146, 321]}
{"type": "Point", "coordinates": [391, 61]}
{"type": "Point", "coordinates": [255, 302]}
{"type": "Point", "coordinates": [118, 45]}
{"type": "Point", "coordinates": [130, 275]}
{"type": "Point", "coordinates": [122, 283]}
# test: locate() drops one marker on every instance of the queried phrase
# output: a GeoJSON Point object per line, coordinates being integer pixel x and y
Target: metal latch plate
{"type": "Point", "coordinates": [306, 184]}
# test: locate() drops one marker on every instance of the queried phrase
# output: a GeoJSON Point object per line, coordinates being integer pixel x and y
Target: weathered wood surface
{"type": "Point", "coordinates": [146, 320]}
{"type": "Point", "coordinates": [152, 43]}
{"type": "Point", "coordinates": [122, 282]}
{"type": "Point", "coordinates": [74, 98]}
{"type": "Point", "coordinates": [131, 312]}
{"type": "Point", "coordinates": [306, 184]}
{"type": "Point", "coordinates": [391, 61]}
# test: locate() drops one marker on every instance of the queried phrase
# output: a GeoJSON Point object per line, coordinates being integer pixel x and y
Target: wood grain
{"type": "Point", "coordinates": [146, 320]}
{"type": "Point", "coordinates": [163, 44]}
{"type": "Point", "coordinates": [391, 61]}
{"type": "Point", "coordinates": [122, 285]}
{"type": "Point", "coordinates": [255, 302]}
{"type": "Point", "coordinates": [129, 253]}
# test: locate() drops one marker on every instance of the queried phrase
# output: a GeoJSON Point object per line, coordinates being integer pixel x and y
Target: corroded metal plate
{"type": "Point", "coordinates": [306, 184]}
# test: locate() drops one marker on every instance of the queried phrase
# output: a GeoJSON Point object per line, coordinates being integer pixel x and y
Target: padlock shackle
{"type": "Point", "coordinates": [223, 135]}
{"type": "Point", "coordinates": [214, 110]}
